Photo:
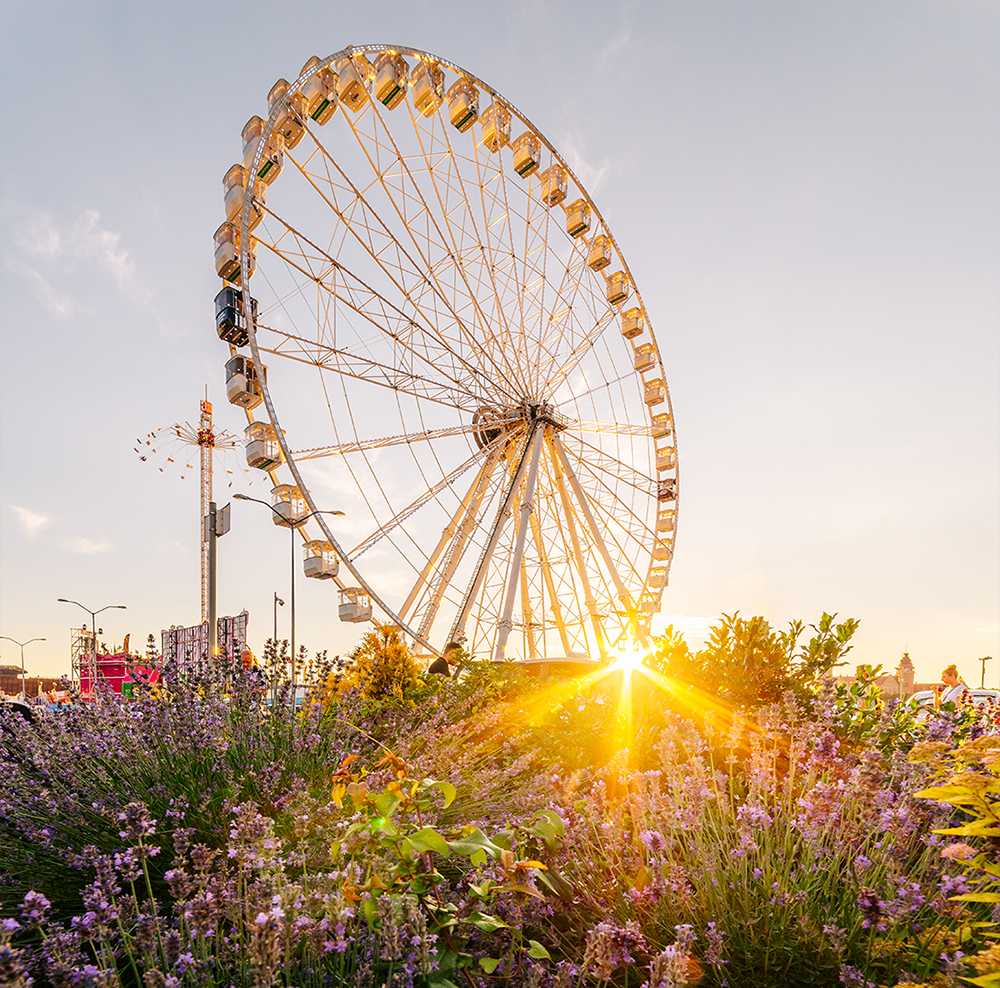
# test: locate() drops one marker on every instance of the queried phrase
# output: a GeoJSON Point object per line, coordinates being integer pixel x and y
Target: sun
{"type": "Point", "coordinates": [628, 659]}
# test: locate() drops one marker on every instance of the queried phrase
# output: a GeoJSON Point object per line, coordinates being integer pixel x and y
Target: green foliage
{"type": "Point", "coordinates": [408, 866]}
{"type": "Point", "coordinates": [969, 780]}
{"type": "Point", "coordinates": [380, 667]}
{"type": "Point", "coordinates": [747, 663]}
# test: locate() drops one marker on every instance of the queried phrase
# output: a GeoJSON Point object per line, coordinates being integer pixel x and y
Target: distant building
{"type": "Point", "coordinates": [901, 684]}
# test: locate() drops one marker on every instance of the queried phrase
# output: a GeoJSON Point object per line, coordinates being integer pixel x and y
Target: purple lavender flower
{"type": "Point", "coordinates": [853, 978]}
{"type": "Point", "coordinates": [34, 909]}
{"type": "Point", "coordinates": [713, 952]}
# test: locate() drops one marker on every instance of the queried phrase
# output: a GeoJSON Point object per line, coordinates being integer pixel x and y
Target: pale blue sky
{"type": "Point", "coordinates": [806, 193]}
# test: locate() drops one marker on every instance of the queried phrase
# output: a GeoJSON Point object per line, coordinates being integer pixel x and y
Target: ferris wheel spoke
{"type": "Point", "coordinates": [351, 365]}
{"type": "Point", "coordinates": [429, 273]}
{"type": "Point", "coordinates": [608, 498]}
{"type": "Point", "coordinates": [442, 172]}
{"type": "Point", "coordinates": [598, 460]}
{"type": "Point", "coordinates": [570, 518]}
{"type": "Point", "coordinates": [397, 277]}
{"type": "Point", "coordinates": [609, 428]}
{"type": "Point", "coordinates": [543, 561]}
{"type": "Point", "coordinates": [555, 379]}
{"type": "Point", "coordinates": [377, 311]}
{"type": "Point", "coordinates": [623, 595]}
{"type": "Point", "coordinates": [506, 509]}
{"type": "Point", "coordinates": [458, 529]}
{"type": "Point", "coordinates": [406, 439]}
{"type": "Point", "coordinates": [456, 553]}
{"type": "Point", "coordinates": [383, 530]}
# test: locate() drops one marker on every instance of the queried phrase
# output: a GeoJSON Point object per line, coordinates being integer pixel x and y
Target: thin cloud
{"type": "Point", "coordinates": [590, 175]}
{"type": "Point", "coordinates": [48, 250]}
{"type": "Point", "coordinates": [85, 546]}
{"type": "Point", "coordinates": [59, 305]}
{"type": "Point", "coordinates": [30, 521]}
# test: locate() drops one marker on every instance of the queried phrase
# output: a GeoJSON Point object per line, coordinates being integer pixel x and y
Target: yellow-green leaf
{"type": "Point", "coordinates": [523, 889]}
{"type": "Point", "coordinates": [991, 980]}
{"type": "Point", "coordinates": [489, 964]}
{"type": "Point", "coordinates": [429, 839]}
{"type": "Point", "coordinates": [978, 828]}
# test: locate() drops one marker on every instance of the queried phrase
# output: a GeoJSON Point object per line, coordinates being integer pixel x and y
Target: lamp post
{"type": "Point", "coordinates": [24, 688]}
{"type": "Point", "coordinates": [277, 601]}
{"type": "Point", "coordinates": [982, 680]}
{"type": "Point", "coordinates": [293, 525]}
{"type": "Point", "coordinates": [93, 629]}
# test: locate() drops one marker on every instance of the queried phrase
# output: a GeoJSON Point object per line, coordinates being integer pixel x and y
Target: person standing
{"type": "Point", "coordinates": [952, 688]}
{"type": "Point", "coordinates": [443, 664]}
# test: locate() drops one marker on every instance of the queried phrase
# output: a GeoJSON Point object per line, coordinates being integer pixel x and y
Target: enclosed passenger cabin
{"type": "Point", "coordinates": [655, 392]}
{"type": "Point", "coordinates": [272, 158]}
{"type": "Point", "coordinates": [354, 75]}
{"type": "Point", "coordinates": [496, 127]}
{"type": "Point", "coordinates": [662, 551]}
{"type": "Point", "coordinates": [666, 458]}
{"type": "Point", "coordinates": [666, 519]}
{"type": "Point", "coordinates": [262, 446]}
{"type": "Point", "coordinates": [632, 323]}
{"type": "Point", "coordinates": [618, 287]}
{"type": "Point", "coordinates": [319, 559]}
{"type": "Point", "coordinates": [527, 153]}
{"type": "Point", "coordinates": [578, 217]}
{"type": "Point", "coordinates": [645, 357]}
{"type": "Point", "coordinates": [661, 425]}
{"type": "Point", "coordinates": [242, 382]}
{"type": "Point", "coordinates": [229, 317]}
{"type": "Point", "coordinates": [463, 105]}
{"type": "Point", "coordinates": [657, 577]}
{"type": "Point", "coordinates": [355, 605]}
{"type": "Point", "coordinates": [319, 92]}
{"type": "Point", "coordinates": [234, 183]}
{"type": "Point", "coordinates": [389, 83]}
{"type": "Point", "coordinates": [289, 121]}
{"type": "Point", "coordinates": [227, 253]}
{"type": "Point", "coordinates": [427, 82]}
{"type": "Point", "coordinates": [600, 253]}
{"type": "Point", "coordinates": [289, 504]}
{"type": "Point", "coordinates": [553, 185]}
{"type": "Point", "coordinates": [666, 489]}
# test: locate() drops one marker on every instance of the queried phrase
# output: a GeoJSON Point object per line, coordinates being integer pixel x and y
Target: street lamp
{"type": "Point", "coordinates": [24, 688]}
{"type": "Point", "coordinates": [93, 628]}
{"type": "Point", "coordinates": [277, 601]}
{"type": "Point", "coordinates": [292, 525]}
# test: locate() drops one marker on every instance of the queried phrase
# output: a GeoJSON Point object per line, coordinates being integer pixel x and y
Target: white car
{"type": "Point", "coordinates": [979, 697]}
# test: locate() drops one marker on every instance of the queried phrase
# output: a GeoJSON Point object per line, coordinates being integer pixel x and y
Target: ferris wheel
{"type": "Point", "coordinates": [430, 321]}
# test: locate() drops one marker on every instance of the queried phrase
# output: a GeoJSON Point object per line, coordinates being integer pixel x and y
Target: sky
{"type": "Point", "coordinates": [807, 197]}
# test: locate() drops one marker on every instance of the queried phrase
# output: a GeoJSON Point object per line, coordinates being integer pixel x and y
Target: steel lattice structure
{"type": "Point", "coordinates": [463, 353]}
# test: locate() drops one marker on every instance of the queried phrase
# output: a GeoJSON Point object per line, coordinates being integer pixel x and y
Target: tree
{"type": "Point", "coordinates": [381, 666]}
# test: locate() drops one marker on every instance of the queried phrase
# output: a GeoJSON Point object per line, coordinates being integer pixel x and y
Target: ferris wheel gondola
{"type": "Point", "coordinates": [448, 318]}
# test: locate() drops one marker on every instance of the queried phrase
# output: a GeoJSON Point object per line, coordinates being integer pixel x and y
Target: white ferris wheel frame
{"type": "Point", "coordinates": [638, 621]}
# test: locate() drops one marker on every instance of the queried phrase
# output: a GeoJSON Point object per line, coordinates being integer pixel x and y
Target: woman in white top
{"type": "Point", "coordinates": [953, 689]}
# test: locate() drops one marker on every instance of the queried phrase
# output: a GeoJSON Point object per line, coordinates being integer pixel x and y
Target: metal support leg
{"type": "Point", "coordinates": [515, 564]}
{"type": "Point", "coordinates": [449, 531]}
{"type": "Point", "coordinates": [506, 509]}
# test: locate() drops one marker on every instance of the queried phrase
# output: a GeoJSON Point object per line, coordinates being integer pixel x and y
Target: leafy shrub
{"type": "Point", "coordinates": [747, 663]}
